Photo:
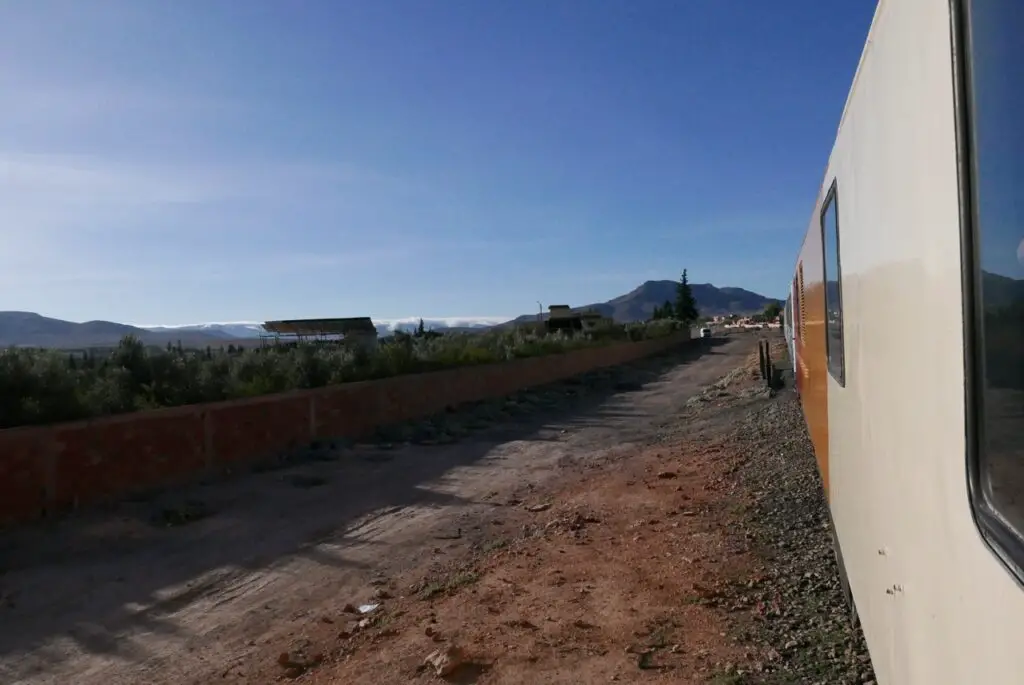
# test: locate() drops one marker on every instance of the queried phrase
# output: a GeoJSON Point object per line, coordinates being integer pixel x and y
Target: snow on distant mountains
{"type": "Point", "coordinates": [242, 329]}
{"type": "Point", "coordinates": [252, 329]}
{"type": "Point", "coordinates": [454, 323]}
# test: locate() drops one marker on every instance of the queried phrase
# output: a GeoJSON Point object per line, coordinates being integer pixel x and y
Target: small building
{"type": "Point", "coordinates": [592, 320]}
{"type": "Point", "coordinates": [560, 311]}
{"type": "Point", "coordinates": [561, 317]}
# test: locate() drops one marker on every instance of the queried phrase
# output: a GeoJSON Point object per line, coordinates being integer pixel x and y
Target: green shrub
{"type": "Point", "coordinates": [50, 386]}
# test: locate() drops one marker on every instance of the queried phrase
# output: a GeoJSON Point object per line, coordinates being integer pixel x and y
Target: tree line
{"type": "Point", "coordinates": [50, 386]}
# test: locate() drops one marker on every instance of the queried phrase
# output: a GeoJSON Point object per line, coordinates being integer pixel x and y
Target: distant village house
{"type": "Point", "coordinates": [561, 317]}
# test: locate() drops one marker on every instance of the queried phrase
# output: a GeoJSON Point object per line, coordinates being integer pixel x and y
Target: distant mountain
{"type": "Point", "coordinates": [639, 304]}
{"type": "Point", "coordinates": [28, 329]}
{"type": "Point", "coordinates": [1001, 291]}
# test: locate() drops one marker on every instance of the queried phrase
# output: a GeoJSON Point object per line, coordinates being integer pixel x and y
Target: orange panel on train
{"type": "Point", "coordinates": [809, 341]}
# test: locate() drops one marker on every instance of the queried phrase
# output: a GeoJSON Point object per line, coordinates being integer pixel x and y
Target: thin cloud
{"type": "Point", "coordinates": [75, 105]}
{"type": "Point", "coordinates": [69, 219]}
{"type": "Point", "coordinates": [73, 179]}
{"type": "Point", "coordinates": [448, 321]}
{"type": "Point", "coordinates": [62, 270]}
{"type": "Point", "coordinates": [172, 326]}
{"type": "Point", "coordinates": [77, 181]}
{"type": "Point", "coordinates": [47, 201]}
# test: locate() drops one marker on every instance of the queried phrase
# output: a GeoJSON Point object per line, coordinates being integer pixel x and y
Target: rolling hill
{"type": "Point", "coordinates": [28, 329]}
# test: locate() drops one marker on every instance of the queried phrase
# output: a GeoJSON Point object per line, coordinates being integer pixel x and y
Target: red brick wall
{"type": "Point", "coordinates": [49, 469]}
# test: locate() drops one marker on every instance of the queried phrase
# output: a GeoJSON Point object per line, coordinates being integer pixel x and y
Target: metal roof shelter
{"type": "Point", "coordinates": [360, 327]}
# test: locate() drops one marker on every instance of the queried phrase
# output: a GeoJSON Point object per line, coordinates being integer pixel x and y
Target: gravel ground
{"type": "Point", "coordinates": [801, 618]}
{"type": "Point", "coordinates": [801, 622]}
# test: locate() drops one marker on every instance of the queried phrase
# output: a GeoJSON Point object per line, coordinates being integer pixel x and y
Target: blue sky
{"type": "Point", "coordinates": [217, 160]}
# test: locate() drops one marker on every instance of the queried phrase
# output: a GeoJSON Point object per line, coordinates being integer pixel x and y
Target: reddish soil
{"type": "Point", "coordinates": [575, 547]}
{"type": "Point", "coordinates": [603, 586]}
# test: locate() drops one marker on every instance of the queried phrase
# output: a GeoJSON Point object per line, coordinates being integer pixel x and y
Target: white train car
{"type": "Point", "coordinates": [787, 324]}
{"type": "Point", "coordinates": [908, 327]}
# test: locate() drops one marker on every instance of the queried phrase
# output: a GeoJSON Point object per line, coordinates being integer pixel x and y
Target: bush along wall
{"type": "Point", "coordinates": [41, 387]}
{"type": "Point", "coordinates": [49, 469]}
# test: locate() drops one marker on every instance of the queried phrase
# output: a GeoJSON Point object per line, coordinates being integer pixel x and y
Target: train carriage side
{"type": "Point", "coordinates": [886, 366]}
{"type": "Point", "coordinates": [810, 349]}
{"type": "Point", "coordinates": [787, 327]}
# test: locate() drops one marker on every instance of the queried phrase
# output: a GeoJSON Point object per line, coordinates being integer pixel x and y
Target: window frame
{"type": "Point", "coordinates": [832, 201]}
{"type": "Point", "coordinates": [803, 302]}
{"type": "Point", "coordinates": [796, 307]}
{"type": "Point", "coordinates": [1006, 544]}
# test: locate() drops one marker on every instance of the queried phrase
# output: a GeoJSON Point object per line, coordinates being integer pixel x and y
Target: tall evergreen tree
{"type": "Point", "coordinates": [686, 304]}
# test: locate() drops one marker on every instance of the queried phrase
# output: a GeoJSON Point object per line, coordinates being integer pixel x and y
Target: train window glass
{"type": "Point", "coordinates": [997, 80]}
{"type": "Point", "coordinates": [833, 289]}
{"type": "Point", "coordinates": [796, 308]}
{"type": "Point", "coordinates": [803, 301]}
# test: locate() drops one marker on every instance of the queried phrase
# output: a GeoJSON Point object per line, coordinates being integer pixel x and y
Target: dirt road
{"type": "Point", "coordinates": [215, 583]}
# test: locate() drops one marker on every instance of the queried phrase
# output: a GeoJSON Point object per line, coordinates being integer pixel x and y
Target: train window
{"type": "Point", "coordinates": [833, 289]}
{"type": "Point", "coordinates": [796, 308]}
{"type": "Point", "coordinates": [996, 71]}
{"type": "Point", "coordinates": [803, 302]}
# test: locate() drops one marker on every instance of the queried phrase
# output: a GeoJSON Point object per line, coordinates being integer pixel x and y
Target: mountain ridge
{"type": "Point", "coordinates": [29, 329]}
{"type": "Point", "coordinates": [639, 303]}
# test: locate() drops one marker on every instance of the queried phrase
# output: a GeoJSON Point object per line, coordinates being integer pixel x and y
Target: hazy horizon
{"type": "Point", "coordinates": [450, 321]}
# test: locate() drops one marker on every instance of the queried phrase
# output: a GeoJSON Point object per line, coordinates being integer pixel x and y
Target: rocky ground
{"type": "Point", "coordinates": [797, 615]}
{"type": "Point", "coordinates": [661, 522]}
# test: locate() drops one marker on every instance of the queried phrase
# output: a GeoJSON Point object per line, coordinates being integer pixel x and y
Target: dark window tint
{"type": "Point", "coordinates": [803, 302]}
{"type": "Point", "coordinates": [833, 289]}
{"type": "Point", "coordinates": [997, 75]}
